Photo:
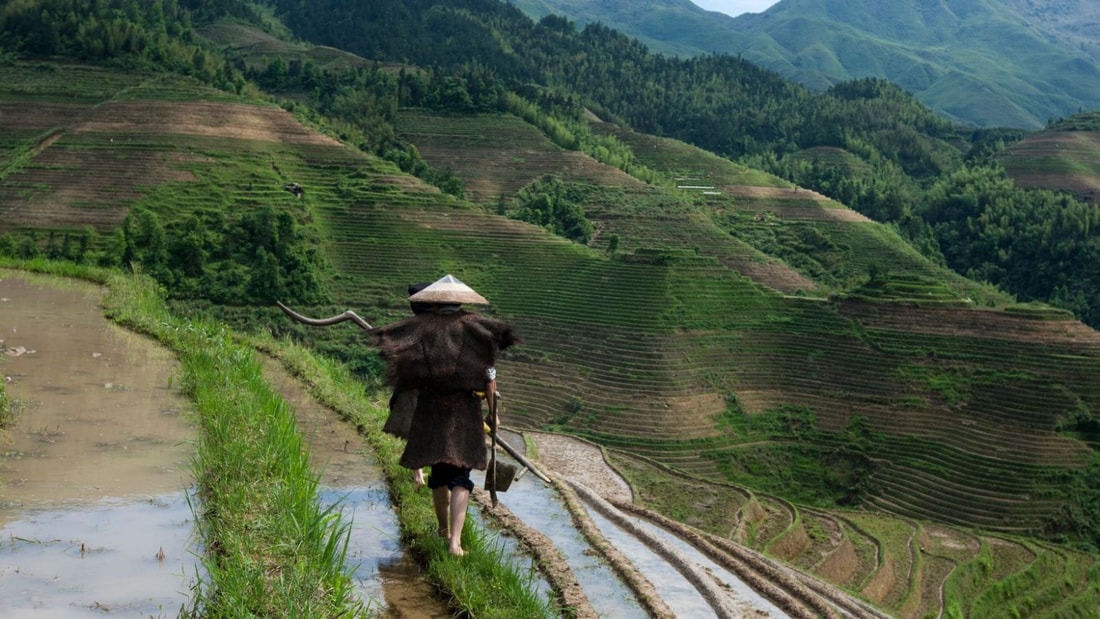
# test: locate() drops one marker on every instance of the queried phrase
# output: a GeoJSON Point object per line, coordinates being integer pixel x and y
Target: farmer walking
{"type": "Point", "coordinates": [448, 355]}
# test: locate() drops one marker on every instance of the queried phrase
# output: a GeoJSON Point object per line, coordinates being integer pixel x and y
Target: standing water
{"type": "Point", "coordinates": [93, 477]}
{"type": "Point", "coordinates": [389, 581]}
{"type": "Point", "coordinates": [539, 507]}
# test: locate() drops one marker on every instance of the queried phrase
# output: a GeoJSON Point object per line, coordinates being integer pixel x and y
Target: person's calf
{"type": "Point", "coordinates": [441, 498]}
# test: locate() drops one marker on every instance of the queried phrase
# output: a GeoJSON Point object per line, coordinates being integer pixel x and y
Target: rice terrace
{"type": "Point", "coordinates": [787, 404]}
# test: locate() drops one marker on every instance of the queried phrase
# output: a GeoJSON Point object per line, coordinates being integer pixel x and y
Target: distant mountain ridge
{"type": "Point", "coordinates": [1011, 63]}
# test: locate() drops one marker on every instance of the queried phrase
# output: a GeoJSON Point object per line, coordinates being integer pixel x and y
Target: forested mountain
{"type": "Point", "coordinates": [1007, 63]}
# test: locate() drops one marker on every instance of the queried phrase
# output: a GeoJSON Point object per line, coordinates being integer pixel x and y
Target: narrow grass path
{"type": "Point", "coordinates": [481, 583]}
{"type": "Point", "coordinates": [270, 549]}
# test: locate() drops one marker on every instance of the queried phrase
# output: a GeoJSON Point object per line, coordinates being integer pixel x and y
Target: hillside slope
{"type": "Point", "coordinates": [1065, 156]}
{"type": "Point", "coordinates": [740, 330]}
{"type": "Point", "coordinates": [688, 359]}
{"type": "Point", "coordinates": [986, 63]}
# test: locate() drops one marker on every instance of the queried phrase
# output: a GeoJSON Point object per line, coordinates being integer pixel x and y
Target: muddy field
{"type": "Point", "coordinates": [93, 507]}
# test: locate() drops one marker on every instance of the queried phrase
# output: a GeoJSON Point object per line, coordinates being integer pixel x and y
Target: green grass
{"type": "Point", "coordinates": [700, 502]}
{"type": "Point", "coordinates": [7, 408]}
{"type": "Point", "coordinates": [65, 83]}
{"type": "Point", "coordinates": [270, 548]}
{"type": "Point", "coordinates": [258, 48]}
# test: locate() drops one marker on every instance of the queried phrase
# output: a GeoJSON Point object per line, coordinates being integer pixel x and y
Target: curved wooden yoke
{"type": "Point", "coordinates": [324, 322]}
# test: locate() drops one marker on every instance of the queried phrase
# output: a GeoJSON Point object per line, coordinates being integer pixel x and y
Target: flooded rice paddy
{"type": "Point", "coordinates": [93, 508]}
{"type": "Point", "coordinates": [744, 600]}
{"type": "Point", "coordinates": [122, 556]}
{"type": "Point", "coordinates": [539, 506]}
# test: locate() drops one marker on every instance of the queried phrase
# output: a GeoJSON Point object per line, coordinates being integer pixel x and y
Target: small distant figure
{"type": "Point", "coordinates": [295, 189]}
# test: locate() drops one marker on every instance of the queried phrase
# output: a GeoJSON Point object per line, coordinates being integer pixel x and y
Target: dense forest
{"type": "Point", "coordinates": [938, 183]}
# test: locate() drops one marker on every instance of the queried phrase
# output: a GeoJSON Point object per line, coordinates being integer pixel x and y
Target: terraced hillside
{"type": "Point", "coordinates": [952, 383]}
{"type": "Point", "coordinates": [748, 352]}
{"type": "Point", "coordinates": [105, 141]}
{"type": "Point", "coordinates": [1066, 157]}
{"type": "Point", "coordinates": [257, 48]}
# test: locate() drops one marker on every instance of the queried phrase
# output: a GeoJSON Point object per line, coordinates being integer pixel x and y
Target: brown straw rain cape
{"type": "Point", "coordinates": [444, 355]}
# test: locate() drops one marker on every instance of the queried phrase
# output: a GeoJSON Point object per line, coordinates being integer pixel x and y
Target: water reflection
{"type": "Point", "coordinates": [742, 595]}
{"type": "Point", "coordinates": [373, 538]}
{"type": "Point", "coordinates": [96, 413]}
{"type": "Point", "coordinates": [122, 557]}
{"type": "Point", "coordinates": [93, 512]}
{"type": "Point", "coordinates": [670, 584]}
{"type": "Point", "coordinates": [387, 580]}
{"type": "Point", "coordinates": [539, 506]}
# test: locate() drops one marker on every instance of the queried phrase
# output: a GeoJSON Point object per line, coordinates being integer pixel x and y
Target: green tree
{"type": "Point", "coordinates": [557, 206]}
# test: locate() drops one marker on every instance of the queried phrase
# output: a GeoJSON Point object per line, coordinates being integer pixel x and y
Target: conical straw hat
{"type": "Point", "coordinates": [448, 290]}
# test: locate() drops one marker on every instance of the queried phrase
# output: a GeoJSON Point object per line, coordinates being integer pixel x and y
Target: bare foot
{"type": "Point", "coordinates": [418, 479]}
{"type": "Point", "coordinates": [444, 533]}
{"type": "Point", "coordinates": [456, 549]}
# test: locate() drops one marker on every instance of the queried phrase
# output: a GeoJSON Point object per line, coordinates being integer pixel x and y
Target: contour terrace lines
{"type": "Point", "coordinates": [203, 118]}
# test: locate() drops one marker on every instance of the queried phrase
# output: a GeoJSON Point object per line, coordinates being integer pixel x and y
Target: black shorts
{"type": "Point", "coordinates": [449, 475]}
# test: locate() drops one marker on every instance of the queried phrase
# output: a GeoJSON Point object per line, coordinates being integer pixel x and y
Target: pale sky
{"type": "Point", "coordinates": [735, 7]}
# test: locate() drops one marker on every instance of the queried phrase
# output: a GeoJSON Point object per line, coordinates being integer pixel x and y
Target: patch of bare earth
{"type": "Point", "coordinates": [883, 582]}
{"type": "Point", "coordinates": [580, 461]}
{"type": "Point", "coordinates": [18, 117]}
{"type": "Point", "coordinates": [85, 187]}
{"type": "Point", "coordinates": [976, 323]}
{"type": "Point", "coordinates": [81, 176]}
{"type": "Point", "coordinates": [758, 401]}
{"type": "Point", "coordinates": [842, 564]}
{"type": "Point", "coordinates": [796, 203]}
{"type": "Point", "coordinates": [775, 275]}
{"type": "Point", "coordinates": [490, 171]}
{"type": "Point", "coordinates": [1071, 154]}
{"type": "Point", "coordinates": [210, 119]}
{"type": "Point", "coordinates": [404, 183]}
